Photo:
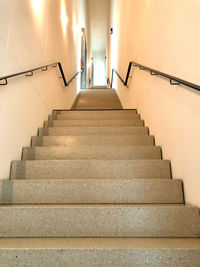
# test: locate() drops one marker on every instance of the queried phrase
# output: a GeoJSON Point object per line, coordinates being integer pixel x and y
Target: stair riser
{"type": "Point", "coordinates": [99, 221]}
{"type": "Point", "coordinates": [108, 123]}
{"type": "Point", "coordinates": [95, 257]}
{"type": "Point", "coordinates": [95, 117]}
{"type": "Point", "coordinates": [90, 169]}
{"type": "Point", "coordinates": [91, 152]}
{"type": "Point", "coordinates": [79, 191]}
{"type": "Point", "coordinates": [63, 131]}
{"type": "Point", "coordinates": [93, 140]}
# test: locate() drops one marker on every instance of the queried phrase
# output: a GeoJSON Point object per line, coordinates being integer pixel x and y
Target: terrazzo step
{"type": "Point", "coordinates": [108, 123]}
{"type": "Point", "coordinates": [63, 131]}
{"type": "Point", "coordinates": [99, 220]}
{"type": "Point", "coordinates": [95, 252]}
{"type": "Point", "coordinates": [90, 191]}
{"type": "Point", "coordinates": [91, 152]}
{"type": "Point", "coordinates": [91, 116]}
{"type": "Point", "coordinates": [93, 140]}
{"type": "Point", "coordinates": [99, 87]}
{"type": "Point", "coordinates": [90, 169]}
{"type": "Point", "coordinates": [95, 112]}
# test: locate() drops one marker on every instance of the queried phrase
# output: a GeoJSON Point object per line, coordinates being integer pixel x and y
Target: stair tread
{"type": "Point", "coordinates": [92, 136]}
{"type": "Point", "coordinates": [86, 147]}
{"type": "Point", "coordinates": [99, 120]}
{"type": "Point", "coordinates": [96, 111]}
{"type": "Point", "coordinates": [91, 127]}
{"type": "Point", "coordinates": [98, 243]}
{"type": "Point", "coordinates": [95, 160]}
{"type": "Point", "coordinates": [96, 117]}
{"type": "Point", "coordinates": [81, 206]}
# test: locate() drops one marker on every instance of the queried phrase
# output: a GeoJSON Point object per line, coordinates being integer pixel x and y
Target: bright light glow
{"type": "Point", "coordinates": [89, 64]}
{"type": "Point", "coordinates": [75, 28]}
{"type": "Point", "coordinates": [64, 18]}
{"type": "Point", "coordinates": [37, 6]}
{"type": "Point", "coordinates": [99, 69]}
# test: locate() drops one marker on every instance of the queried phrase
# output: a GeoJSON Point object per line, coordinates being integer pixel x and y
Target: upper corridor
{"type": "Point", "coordinates": [97, 99]}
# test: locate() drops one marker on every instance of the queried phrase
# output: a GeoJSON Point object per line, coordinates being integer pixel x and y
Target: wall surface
{"type": "Point", "coordinates": [98, 20]}
{"type": "Point", "coordinates": [98, 12]}
{"type": "Point", "coordinates": [163, 35]}
{"type": "Point", "coordinates": [34, 33]}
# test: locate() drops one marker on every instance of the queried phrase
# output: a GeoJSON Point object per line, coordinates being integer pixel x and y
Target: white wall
{"type": "Point", "coordinates": [163, 35]}
{"type": "Point", "coordinates": [34, 33]}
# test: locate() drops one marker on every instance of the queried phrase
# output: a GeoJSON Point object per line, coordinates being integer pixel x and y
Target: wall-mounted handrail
{"type": "Point", "coordinates": [121, 79]}
{"type": "Point", "coordinates": [42, 68]}
{"type": "Point", "coordinates": [173, 80]}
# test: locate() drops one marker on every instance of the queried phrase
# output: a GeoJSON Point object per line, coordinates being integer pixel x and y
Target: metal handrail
{"type": "Point", "coordinates": [114, 71]}
{"type": "Point", "coordinates": [42, 68]}
{"type": "Point", "coordinates": [173, 80]}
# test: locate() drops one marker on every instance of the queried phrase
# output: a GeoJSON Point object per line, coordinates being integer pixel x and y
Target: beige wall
{"type": "Point", "coordinates": [98, 15]}
{"type": "Point", "coordinates": [163, 35]}
{"type": "Point", "coordinates": [33, 33]}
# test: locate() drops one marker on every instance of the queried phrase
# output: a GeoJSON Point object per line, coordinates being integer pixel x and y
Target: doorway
{"type": "Point", "coordinates": [99, 68]}
{"type": "Point", "coordinates": [83, 59]}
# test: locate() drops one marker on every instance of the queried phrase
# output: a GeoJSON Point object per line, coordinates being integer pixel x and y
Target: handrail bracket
{"type": "Point", "coordinates": [45, 68]}
{"type": "Point", "coordinates": [153, 73]}
{"type": "Point", "coordinates": [172, 82]}
{"type": "Point", "coordinates": [31, 74]}
{"type": "Point", "coordinates": [5, 82]}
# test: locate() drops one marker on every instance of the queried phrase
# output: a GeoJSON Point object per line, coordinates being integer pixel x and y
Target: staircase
{"type": "Point", "coordinates": [93, 190]}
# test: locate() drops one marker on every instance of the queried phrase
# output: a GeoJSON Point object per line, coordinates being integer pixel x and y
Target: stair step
{"type": "Point", "coordinates": [91, 169]}
{"type": "Point", "coordinates": [91, 116]}
{"type": "Point", "coordinates": [99, 220]}
{"type": "Point", "coordinates": [95, 252]}
{"type": "Point", "coordinates": [93, 140]}
{"type": "Point", "coordinates": [108, 123]}
{"type": "Point", "coordinates": [62, 131]}
{"type": "Point", "coordinates": [90, 191]}
{"type": "Point", "coordinates": [95, 112]}
{"type": "Point", "coordinates": [92, 152]}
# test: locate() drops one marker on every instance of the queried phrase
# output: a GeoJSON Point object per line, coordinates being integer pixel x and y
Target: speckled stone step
{"type": "Point", "coordinates": [92, 152]}
{"type": "Point", "coordinates": [93, 140]}
{"type": "Point", "coordinates": [93, 116]}
{"type": "Point", "coordinates": [90, 169]}
{"type": "Point", "coordinates": [96, 252]}
{"type": "Point", "coordinates": [95, 112]}
{"type": "Point", "coordinates": [63, 131]}
{"type": "Point", "coordinates": [108, 123]}
{"type": "Point", "coordinates": [91, 191]}
{"type": "Point", "coordinates": [99, 220]}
